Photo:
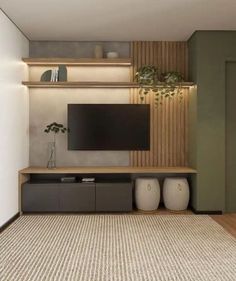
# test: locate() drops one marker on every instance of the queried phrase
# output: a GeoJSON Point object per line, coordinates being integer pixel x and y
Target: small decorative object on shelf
{"type": "Point", "coordinates": [55, 75]}
{"type": "Point", "coordinates": [112, 55]}
{"type": "Point", "coordinates": [46, 76]}
{"type": "Point", "coordinates": [98, 52]}
{"type": "Point", "coordinates": [54, 128]}
{"type": "Point", "coordinates": [166, 85]}
{"type": "Point", "coordinates": [50, 76]}
{"type": "Point", "coordinates": [51, 164]}
{"type": "Point", "coordinates": [62, 73]}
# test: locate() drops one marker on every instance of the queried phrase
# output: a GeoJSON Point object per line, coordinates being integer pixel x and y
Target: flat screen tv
{"type": "Point", "coordinates": [108, 127]}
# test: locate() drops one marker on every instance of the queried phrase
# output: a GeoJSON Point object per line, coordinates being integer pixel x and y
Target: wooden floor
{"type": "Point", "coordinates": [227, 221]}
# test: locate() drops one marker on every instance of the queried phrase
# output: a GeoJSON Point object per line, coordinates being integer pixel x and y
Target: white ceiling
{"type": "Point", "coordinates": [119, 20]}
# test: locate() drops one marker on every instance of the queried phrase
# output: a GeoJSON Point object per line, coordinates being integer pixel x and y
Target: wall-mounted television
{"type": "Point", "coordinates": [108, 127]}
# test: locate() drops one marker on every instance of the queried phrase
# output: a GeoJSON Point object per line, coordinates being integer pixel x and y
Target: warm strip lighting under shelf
{"type": "Point", "coordinates": [77, 62]}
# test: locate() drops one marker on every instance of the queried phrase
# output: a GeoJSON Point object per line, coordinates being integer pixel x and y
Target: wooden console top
{"type": "Point", "coordinates": [108, 170]}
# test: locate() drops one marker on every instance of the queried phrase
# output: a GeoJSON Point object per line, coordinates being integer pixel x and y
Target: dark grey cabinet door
{"type": "Point", "coordinates": [40, 197]}
{"type": "Point", "coordinates": [77, 197]}
{"type": "Point", "coordinates": [114, 197]}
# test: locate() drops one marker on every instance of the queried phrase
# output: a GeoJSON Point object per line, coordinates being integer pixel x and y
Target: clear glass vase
{"type": "Point", "coordinates": [51, 164]}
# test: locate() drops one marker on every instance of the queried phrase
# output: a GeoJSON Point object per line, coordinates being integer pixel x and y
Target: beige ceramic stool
{"type": "Point", "coordinates": [147, 194]}
{"type": "Point", "coordinates": [176, 194]}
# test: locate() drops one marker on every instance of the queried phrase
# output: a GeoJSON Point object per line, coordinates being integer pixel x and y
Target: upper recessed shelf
{"type": "Point", "coordinates": [77, 62]}
{"type": "Point", "coordinates": [84, 62]}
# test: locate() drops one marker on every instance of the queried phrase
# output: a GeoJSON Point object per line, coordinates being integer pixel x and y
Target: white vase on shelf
{"type": "Point", "coordinates": [112, 55]}
{"type": "Point", "coordinates": [98, 51]}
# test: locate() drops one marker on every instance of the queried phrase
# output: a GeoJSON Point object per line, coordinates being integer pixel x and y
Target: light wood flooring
{"type": "Point", "coordinates": [227, 221]}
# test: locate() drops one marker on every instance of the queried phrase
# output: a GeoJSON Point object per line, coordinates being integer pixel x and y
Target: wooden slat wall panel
{"type": "Point", "coordinates": [169, 122]}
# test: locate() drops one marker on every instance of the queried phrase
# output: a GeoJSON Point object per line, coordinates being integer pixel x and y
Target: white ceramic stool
{"type": "Point", "coordinates": [176, 194]}
{"type": "Point", "coordinates": [147, 194]}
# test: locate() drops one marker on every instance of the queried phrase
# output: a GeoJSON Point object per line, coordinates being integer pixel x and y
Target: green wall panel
{"type": "Point", "coordinates": [208, 53]}
{"type": "Point", "coordinates": [230, 137]}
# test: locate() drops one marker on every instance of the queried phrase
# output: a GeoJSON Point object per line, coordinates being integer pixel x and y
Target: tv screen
{"type": "Point", "coordinates": [108, 127]}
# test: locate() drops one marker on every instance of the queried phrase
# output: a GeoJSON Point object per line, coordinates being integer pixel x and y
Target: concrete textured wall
{"type": "Point", "coordinates": [208, 53]}
{"type": "Point", "coordinates": [48, 105]}
{"type": "Point", "coordinates": [76, 49]}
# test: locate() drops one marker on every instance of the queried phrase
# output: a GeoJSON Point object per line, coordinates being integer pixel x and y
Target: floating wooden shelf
{"type": "Point", "coordinates": [109, 170]}
{"type": "Point", "coordinates": [77, 62]}
{"type": "Point", "coordinates": [91, 84]}
{"type": "Point", "coordinates": [79, 84]}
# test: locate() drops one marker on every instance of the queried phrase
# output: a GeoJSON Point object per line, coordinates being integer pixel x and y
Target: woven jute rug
{"type": "Point", "coordinates": [116, 248]}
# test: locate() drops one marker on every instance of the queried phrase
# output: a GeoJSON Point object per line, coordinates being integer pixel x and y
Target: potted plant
{"type": "Point", "coordinates": [147, 78]}
{"type": "Point", "coordinates": [169, 83]}
{"type": "Point", "coordinates": [54, 128]}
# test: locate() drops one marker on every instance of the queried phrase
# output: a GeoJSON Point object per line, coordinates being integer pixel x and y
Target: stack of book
{"type": "Point", "coordinates": [54, 75]}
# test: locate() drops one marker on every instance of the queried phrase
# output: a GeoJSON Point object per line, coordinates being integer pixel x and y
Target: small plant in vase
{"type": "Point", "coordinates": [54, 128]}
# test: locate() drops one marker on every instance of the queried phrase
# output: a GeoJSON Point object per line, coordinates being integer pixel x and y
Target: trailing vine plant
{"type": "Point", "coordinates": [147, 78]}
{"type": "Point", "coordinates": [172, 85]}
{"type": "Point", "coordinates": [169, 83]}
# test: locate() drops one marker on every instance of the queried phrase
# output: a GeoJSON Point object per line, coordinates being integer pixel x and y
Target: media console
{"type": "Point", "coordinates": [40, 189]}
{"type": "Point", "coordinates": [77, 197]}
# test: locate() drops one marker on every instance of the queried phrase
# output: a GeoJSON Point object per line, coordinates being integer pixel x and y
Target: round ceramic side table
{"type": "Point", "coordinates": [176, 194]}
{"type": "Point", "coordinates": [147, 194]}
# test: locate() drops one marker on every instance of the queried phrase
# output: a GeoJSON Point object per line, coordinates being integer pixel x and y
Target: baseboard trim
{"type": "Point", "coordinates": [202, 212]}
{"type": "Point", "coordinates": [10, 221]}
